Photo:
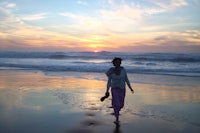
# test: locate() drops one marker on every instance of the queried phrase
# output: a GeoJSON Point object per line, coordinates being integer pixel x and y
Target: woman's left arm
{"type": "Point", "coordinates": [128, 82]}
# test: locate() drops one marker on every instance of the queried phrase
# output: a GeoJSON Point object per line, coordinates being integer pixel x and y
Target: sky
{"type": "Point", "coordinates": [100, 25]}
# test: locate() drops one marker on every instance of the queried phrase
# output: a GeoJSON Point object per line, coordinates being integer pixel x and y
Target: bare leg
{"type": "Point", "coordinates": [117, 119]}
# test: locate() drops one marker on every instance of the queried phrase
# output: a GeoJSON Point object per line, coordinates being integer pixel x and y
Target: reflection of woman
{"type": "Point", "coordinates": [117, 77]}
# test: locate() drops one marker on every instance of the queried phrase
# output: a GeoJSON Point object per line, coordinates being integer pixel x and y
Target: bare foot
{"type": "Point", "coordinates": [117, 122]}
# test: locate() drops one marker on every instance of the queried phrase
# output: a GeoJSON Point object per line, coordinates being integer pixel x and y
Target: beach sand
{"type": "Point", "coordinates": [32, 102]}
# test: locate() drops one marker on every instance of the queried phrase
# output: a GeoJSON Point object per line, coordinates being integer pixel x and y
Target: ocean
{"type": "Point", "coordinates": [91, 65]}
{"type": "Point", "coordinates": [49, 89]}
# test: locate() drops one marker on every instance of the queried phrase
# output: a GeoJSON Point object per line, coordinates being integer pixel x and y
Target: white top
{"type": "Point", "coordinates": [117, 80]}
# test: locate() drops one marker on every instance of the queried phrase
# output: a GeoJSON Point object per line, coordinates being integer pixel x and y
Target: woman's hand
{"type": "Point", "coordinates": [107, 94]}
{"type": "Point", "coordinates": [104, 97]}
{"type": "Point", "coordinates": [132, 91]}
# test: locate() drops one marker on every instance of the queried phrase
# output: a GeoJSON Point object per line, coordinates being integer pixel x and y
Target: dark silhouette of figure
{"type": "Point", "coordinates": [117, 77]}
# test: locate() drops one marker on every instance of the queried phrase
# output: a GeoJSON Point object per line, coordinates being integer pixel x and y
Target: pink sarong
{"type": "Point", "coordinates": [118, 96]}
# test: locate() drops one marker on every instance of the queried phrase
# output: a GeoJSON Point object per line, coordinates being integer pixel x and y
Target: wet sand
{"type": "Point", "coordinates": [33, 102]}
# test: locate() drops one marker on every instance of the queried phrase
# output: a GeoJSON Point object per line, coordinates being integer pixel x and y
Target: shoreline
{"type": "Point", "coordinates": [35, 102]}
{"type": "Point", "coordinates": [153, 79]}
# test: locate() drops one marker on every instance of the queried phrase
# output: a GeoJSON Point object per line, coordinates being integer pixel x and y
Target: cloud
{"type": "Point", "coordinates": [8, 21]}
{"type": "Point", "coordinates": [7, 4]}
{"type": "Point", "coordinates": [169, 5]}
{"type": "Point", "coordinates": [11, 5]}
{"type": "Point", "coordinates": [119, 11]}
{"type": "Point", "coordinates": [17, 35]}
{"type": "Point", "coordinates": [118, 18]}
{"type": "Point", "coordinates": [32, 17]}
{"type": "Point", "coordinates": [122, 18]}
{"type": "Point", "coordinates": [177, 41]}
{"type": "Point", "coordinates": [188, 36]}
{"type": "Point", "coordinates": [182, 41]}
{"type": "Point", "coordinates": [72, 15]}
{"type": "Point", "coordinates": [83, 24]}
{"type": "Point", "coordinates": [125, 17]}
{"type": "Point", "coordinates": [165, 47]}
{"type": "Point", "coordinates": [80, 2]}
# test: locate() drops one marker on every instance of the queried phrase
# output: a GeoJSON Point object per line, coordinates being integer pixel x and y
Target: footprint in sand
{"type": "Point", "coordinates": [88, 125]}
{"type": "Point", "coordinates": [90, 113]}
{"type": "Point", "coordinates": [91, 122]}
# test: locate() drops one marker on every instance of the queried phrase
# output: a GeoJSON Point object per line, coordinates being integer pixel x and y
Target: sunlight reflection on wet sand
{"type": "Point", "coordinates": [35, 96]}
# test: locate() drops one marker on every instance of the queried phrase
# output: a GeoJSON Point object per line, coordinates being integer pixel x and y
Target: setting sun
{"type": "Point", "coordinates": [96, 51]}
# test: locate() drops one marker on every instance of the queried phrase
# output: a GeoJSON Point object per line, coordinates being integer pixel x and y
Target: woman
{"type": "Point", "coordinates": [117, 77]}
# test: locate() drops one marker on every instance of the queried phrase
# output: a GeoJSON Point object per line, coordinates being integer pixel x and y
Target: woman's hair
{"type": "Point", "coordinates": [115, 59]}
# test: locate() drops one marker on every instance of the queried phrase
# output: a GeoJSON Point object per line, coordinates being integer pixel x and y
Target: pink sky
{"type": "Point", "coordinates": [107, 25]}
